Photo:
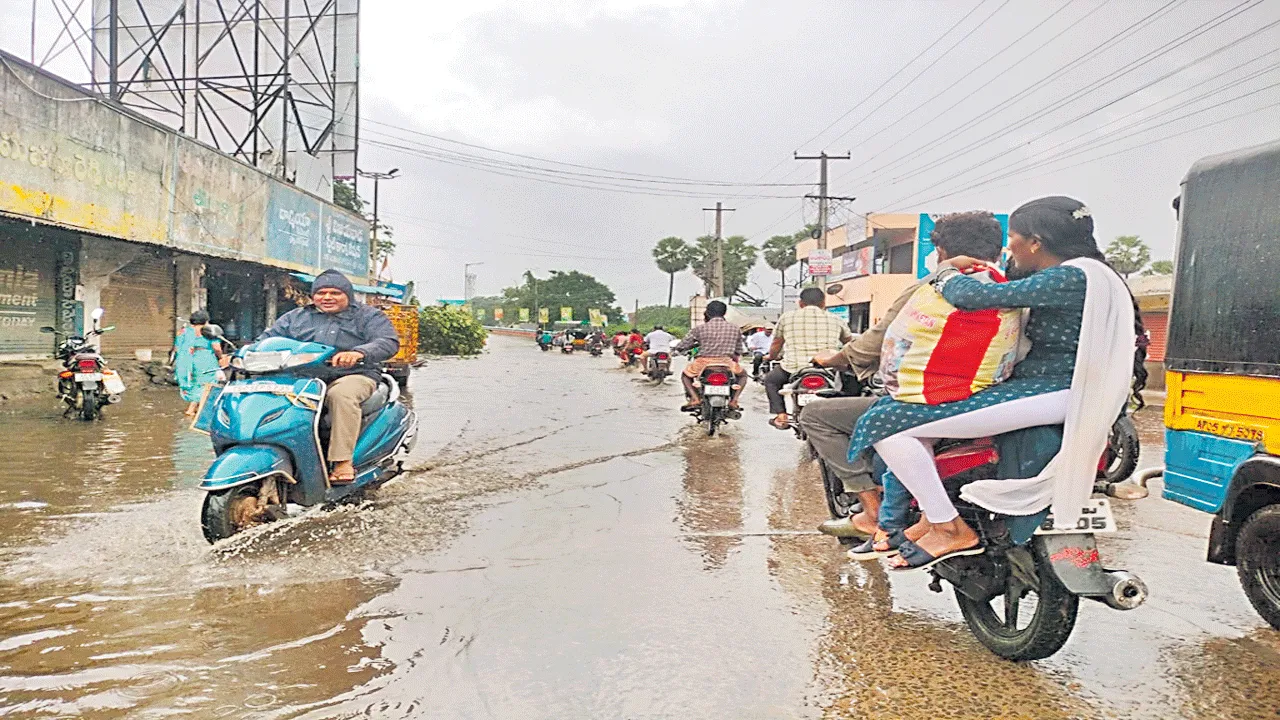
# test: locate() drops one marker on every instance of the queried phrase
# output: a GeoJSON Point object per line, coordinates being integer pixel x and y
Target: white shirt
{"type": "Point", "coordinates": [759, 342]}
{"type": "Point", "coordinates": [659, 341]}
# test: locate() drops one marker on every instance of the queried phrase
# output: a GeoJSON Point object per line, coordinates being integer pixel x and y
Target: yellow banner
{"type": "Point", "coordinates": [566, 314]}
{"type": "Point", "coordinates": [597, 318]}
{"type": "Point", "coordinates": [544, 315]}
{"type": "Point", "coordinates": [524, 314]}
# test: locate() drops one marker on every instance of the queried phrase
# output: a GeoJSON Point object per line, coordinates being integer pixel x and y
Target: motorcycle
{"type": "Point", "coordinates": [715, 387]}
{"type": "Point", "coordinates": [269, 431]}
{"type": "Point", "coordinates": [659, 366]}
{"type": "Point", "coordinates": [595, 348]}
{"type": "Point", "coordinates": [809, 384]}
{"type": "Point", "coordinates": [85, 383]}
{"type": "Point", "coordinates": [1024, 556]}
{"type": "Point", "coordinates": [567, 347]}
{"type": "Point", "coordinates": [544, 345]}
{"type": "Point", "coordinates": [758, 367]}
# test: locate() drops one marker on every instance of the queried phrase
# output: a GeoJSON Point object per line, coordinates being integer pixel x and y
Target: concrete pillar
{"type": "Point", "coordinates": [190, 287]}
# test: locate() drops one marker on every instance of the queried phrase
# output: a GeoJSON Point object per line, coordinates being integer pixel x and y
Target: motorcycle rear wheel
{"type": "Point", "coordinates": [88, 404]}
{"type": "Point", "coordinates": [997, 622]}
{"type": "Point", "coordinates": [223, 512]}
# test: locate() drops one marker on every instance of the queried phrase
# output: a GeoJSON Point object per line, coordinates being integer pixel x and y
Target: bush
{"type": "Point", "coordinates": [449, 331]}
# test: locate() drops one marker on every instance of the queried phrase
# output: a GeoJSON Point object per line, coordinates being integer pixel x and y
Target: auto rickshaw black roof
{"type": "Point", "coordinates": [1225, 316]}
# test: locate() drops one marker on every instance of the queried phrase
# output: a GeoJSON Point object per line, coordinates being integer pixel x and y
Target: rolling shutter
{"type": "Point", "coordinates": [1157, 325]}
{"type": "Point", "coordinates": [27, 299]}
{"type": "Point", "coordinates": [139, 300]}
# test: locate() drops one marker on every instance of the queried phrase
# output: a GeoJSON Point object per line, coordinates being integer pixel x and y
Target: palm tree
{"type": "Point", "coordinates": [780, 254]}
{"type": "Point", "coordinates": [672, 256]}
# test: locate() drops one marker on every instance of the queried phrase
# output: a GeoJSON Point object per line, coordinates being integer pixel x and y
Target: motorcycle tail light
{"type": "Point", "coordinates": [87, 365]}
{"type": "Point", "coordinates": [663, 356]}
{"type": "Point", "coordinates": [966, 457]}
{"type": "Point", "coordinates": [717, 378]}
{"type": "Point", "coordinates": [66, 374]}
{"type": "Point", "coordinates": [813, 382]}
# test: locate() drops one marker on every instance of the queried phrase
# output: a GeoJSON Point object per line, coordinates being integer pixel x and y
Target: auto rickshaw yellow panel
{"type": "Point", "coordinates": [1240, 407]}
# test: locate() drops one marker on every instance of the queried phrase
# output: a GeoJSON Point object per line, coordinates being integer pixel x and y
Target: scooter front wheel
{"type": "Point", "coordinates": [227, 512]}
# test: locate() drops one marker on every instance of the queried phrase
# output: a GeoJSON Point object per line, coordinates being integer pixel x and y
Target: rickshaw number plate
{"type": "Point", "coordinates": [1095, 517]}
{"type": "Point", "coordinates": [716, 389]}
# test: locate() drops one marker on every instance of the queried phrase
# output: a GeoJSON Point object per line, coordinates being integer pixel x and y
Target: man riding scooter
{"type": "Point", "coordinates": [828, 425]}
{"type": "Point", "coordinates": [719, 342]}
{"type": "Point", "coordinates": [364, 337]}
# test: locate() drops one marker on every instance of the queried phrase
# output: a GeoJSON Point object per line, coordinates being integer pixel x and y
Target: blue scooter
{"type": "Point", "coordinates": [269, 432]}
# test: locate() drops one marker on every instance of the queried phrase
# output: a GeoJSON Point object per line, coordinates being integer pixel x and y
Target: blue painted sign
{"type": "Point", "coordinates": [306, 232]}
{"type": "Point", "coordinates": [293, 227]}
{"type": "Point", "coordinates": [927, 254]}
{"type": "Point", "coordinates": [841, 312]}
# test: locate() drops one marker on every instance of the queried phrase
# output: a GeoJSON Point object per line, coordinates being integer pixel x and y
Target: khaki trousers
{"type": "Point", "coordinates": [343, 403]}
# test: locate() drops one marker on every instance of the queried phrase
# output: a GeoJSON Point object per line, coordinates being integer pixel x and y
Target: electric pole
{"type": "Point", "coordinates": [717, 262]}
{"type": "Point", "coordinates": [823, 157]}
{"type": "Point", "coordinates": [391, 174]}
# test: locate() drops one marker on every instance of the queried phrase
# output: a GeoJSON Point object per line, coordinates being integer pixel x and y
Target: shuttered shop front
{"type": "Point", "coordinates": [140, 302]}
{"type": "Point", "coordinates": [27, 299]}
{"type": "Point", "coordinates": [1157, 325]}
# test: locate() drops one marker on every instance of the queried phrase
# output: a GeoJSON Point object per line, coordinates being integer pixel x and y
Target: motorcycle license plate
{"type": "Point", "coordinates": [82, 377]}
{"type": "Point", "coordinates": [722, 390]}
{"type": "Point", "coordinates": [804, 399]}
{"type": "Point", "coordinates": [1095, 517]}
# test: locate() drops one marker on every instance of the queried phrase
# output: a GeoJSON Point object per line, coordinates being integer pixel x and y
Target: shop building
{"type": "Point", "coordinates": [100, 207]}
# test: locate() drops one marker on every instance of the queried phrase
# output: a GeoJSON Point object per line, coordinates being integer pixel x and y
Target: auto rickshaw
{"type": "Point", "coordinates": [1222, 415]}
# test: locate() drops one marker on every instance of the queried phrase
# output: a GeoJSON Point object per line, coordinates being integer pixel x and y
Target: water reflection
{"type": "Point", "coordinates": [710, 510]}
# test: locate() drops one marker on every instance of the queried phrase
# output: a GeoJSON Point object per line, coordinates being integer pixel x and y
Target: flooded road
{"type": "Point", "coordinates": [567, 546]}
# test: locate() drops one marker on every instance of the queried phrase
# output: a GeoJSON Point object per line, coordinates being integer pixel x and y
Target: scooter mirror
{"type": "Point", "coordinates": [97, 313]}
{"type": "Point", "coordinates": [211, 331]}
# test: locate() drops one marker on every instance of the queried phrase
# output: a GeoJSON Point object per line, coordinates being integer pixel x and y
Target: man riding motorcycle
{"type": "Point", "coordinates": [798, 337]}
{"type": "Point", "coordinates": [719, 342]}
{"type": "Point", "coordinates": [364, 337]}
{"type": "Point", "coordinates": [828, 424]}
{"type": "Point", "coordinates": [758, 344]}
{"type": "Point", "coordinates": [657, 341]}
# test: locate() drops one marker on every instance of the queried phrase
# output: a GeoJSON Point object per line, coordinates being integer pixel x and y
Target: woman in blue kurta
{"type": "Point", "coordinates": [1042, 235]}
{"type": "Point", "coordinates": [195, 360]}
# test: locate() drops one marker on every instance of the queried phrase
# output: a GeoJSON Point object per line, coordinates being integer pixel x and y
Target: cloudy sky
{"type": "Point", "coordinates": [944, 105]}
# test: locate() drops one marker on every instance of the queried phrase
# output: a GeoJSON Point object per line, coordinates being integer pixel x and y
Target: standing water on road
{"type": "Point", "coordinates": [566, 546]}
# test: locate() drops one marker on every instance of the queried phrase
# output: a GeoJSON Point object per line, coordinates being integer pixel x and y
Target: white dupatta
{"type": "Point", "coordinates": [1099, 390]}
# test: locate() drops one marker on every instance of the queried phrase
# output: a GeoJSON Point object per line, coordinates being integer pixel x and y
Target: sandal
{"type": "Point", "coordinates": [343, 479]}
{"type": "Point", "coordinates": [786, 424]}
{"type": "Point", "coordinates": [870, 550]}
{"type": "Point", "coordinates": [917, 558]}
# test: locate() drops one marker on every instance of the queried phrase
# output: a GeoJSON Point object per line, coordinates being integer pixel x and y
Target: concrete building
{"type": "Point", "coordinates": [101, 207]}
{"type": "Point", "coordinates": [872, 264]}
{"type": "Point", "coordinates": [1153, 293]}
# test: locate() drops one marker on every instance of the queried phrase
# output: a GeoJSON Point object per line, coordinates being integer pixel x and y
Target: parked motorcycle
{"type": "Point", "coordinates": [715, 387]}
{"type": "Point", "coordinates": [659, 366]}
{"type": "Point", "coordinates": [85, 383]}
{"type": "Point", "coordinates": [1020, 596]}
{"type": "Point", "coordinates": [269, 432]}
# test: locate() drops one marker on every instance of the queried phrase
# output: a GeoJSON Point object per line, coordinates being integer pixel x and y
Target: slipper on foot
{"type": "Point", "coordinates": [918, 558]}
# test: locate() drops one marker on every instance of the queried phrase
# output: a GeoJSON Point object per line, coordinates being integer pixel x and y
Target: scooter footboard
{"type": "Point", "coordinates": [242, 464]}
{"type": "Point", "coordinates": [1075, 561]}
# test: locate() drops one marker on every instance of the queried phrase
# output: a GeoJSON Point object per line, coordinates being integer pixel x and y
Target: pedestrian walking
{"type": "Point", "coordinates": [196, 360]}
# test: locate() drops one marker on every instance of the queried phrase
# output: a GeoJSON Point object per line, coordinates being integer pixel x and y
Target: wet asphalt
{"type": "Point", "coordinates": [567, 546]}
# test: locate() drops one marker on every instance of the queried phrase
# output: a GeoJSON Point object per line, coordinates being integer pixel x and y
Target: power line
{"type": "Point", "coordinates": [1042, 82]}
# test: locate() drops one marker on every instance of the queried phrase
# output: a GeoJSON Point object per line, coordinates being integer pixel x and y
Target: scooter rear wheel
{"type": "Point", "coordinates": [1005, 624]}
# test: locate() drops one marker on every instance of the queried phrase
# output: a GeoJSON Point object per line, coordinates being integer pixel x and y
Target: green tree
{"type": "Point", "coordinates": [739, 257]}
{"type": "Point", "coordinates": [345, 196]}
{"type": "Point", "coordinates": [672, 256]}
{"type": "Point", "coordinates": [571, 288]}
{"type": "Point", "coordinates": [449, 330]}
{"type": "Point", "coordinates": [780, 254]}
{"type": "Point", "coordinates": [1159, 267]}
{"type": "Point", "coordinates": [1128, 254]}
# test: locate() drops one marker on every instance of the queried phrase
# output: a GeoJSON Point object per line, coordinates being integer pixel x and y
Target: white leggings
{"type": "Point", "coordinates": [909, 454]}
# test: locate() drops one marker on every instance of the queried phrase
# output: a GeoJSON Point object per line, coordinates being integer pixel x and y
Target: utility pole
{"type": "Point", "coordinates": [391, 174]}
{"type": "Point", "coordinates": [717, 269]}
{"type": "Point", "coordinates": [822, 196]}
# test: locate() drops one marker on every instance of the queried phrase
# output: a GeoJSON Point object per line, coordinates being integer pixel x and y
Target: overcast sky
{"type": "Point", "coordinates": [729, 89]}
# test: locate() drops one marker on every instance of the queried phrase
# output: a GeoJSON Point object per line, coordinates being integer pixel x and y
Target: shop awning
{"type": "Point", "coordinates": [391, 290]}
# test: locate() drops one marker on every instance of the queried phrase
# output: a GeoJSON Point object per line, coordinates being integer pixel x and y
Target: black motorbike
{"type": "Point", "coordinates": [595, 347]}
{"type": "Point", "coordinates": [659, 366]}
{"type": "Point", "coordinates": [809, 384]}
{"type": "Point", "coordinates": [85, 383]}
{"type": "Point", "coordinates": [1020, 596]}
{"type": "Point", "coordinates": [715, 387]}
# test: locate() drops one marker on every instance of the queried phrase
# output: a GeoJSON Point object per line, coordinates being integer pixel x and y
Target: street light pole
{"type": "Point", "coordinates": [391, 174]}
{"type": "Point", "coordinates": [467, 277]}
